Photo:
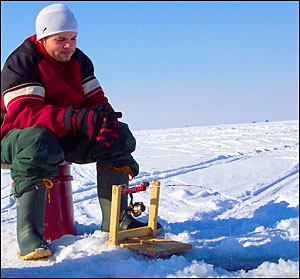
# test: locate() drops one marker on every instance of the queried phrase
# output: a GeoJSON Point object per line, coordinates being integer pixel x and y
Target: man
{"type": "Point", "coordinates": [55, 110]}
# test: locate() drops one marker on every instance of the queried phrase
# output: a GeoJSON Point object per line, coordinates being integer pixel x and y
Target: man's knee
{"type": "Point", "coordinates": [32, 145]}
{"type": "Point", "coordinates": [33, 153]}
{"type": "Point", "coordinates": [41, 144]}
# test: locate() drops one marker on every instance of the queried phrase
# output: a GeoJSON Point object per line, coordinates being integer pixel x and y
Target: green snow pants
{"type": "Point", "coordinates": [35, 152]}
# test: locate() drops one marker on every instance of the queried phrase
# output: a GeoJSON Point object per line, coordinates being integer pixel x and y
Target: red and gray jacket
{"type": "Point", "coordinates": [36, 89]}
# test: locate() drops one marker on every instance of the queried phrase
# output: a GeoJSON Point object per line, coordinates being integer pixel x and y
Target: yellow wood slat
{"type": "Point", "coordinates": [131, 233]}
{"type": "Point", "coordinates": [153, 211]}
{"type": "Point", "coordinates": [114, 215]}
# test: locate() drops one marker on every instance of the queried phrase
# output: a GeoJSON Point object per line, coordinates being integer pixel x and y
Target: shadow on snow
{"type": "Point", "coordinates": [245, 243]}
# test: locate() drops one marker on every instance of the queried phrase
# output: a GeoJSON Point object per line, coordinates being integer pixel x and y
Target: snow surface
{"type": "Point", "coordinates": [241, 215]}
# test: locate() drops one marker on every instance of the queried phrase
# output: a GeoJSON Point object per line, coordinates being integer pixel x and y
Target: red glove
{"type": "Point", "coordinates": [100, 123]}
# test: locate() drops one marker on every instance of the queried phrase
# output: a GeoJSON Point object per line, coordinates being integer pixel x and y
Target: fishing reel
{"type": "Point", "coordinates": [136, 209]}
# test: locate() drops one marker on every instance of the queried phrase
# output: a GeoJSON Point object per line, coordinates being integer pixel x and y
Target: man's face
{"type": "Point", "coordinates": [60, 46]}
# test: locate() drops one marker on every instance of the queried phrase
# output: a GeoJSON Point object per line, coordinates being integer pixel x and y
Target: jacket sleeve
{"type": "Point", "coordinates": [93, 92]}
{"type": "Point", "coordinates": [23, 95]}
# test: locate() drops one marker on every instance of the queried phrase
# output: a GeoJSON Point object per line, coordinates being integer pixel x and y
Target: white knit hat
{"type": "Point", "coordinates": [54, 19]}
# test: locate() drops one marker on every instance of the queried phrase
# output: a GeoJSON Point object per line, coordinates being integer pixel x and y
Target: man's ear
{"type": "Point", "coordinates": [42, 41]}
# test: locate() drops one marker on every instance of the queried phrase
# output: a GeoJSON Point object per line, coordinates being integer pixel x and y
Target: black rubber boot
{"type": "Point", "coordinates": [106, 177]}
{"type": "Point", "coordinates": [30, 224]}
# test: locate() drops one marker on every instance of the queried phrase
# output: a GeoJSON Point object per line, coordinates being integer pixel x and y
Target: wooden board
{"type": "Point", "coordinates": [154, 246]}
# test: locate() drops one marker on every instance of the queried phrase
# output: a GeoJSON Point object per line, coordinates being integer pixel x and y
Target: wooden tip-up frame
{"type": "Point", "coordinates": [142, 240]}
{"type": "Point", "coordinates": [115, 236]}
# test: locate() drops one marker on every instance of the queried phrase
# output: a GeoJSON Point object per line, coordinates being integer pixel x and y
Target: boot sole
{"type": "Point", "coordinates": [35, 255]}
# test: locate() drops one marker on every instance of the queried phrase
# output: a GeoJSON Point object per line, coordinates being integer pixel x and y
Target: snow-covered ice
{"type": "Point", "coordinates": [240, 211]}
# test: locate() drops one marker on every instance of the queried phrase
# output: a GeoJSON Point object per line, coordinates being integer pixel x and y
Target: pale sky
{"type": "Point", "coordinates": [168, 64]}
